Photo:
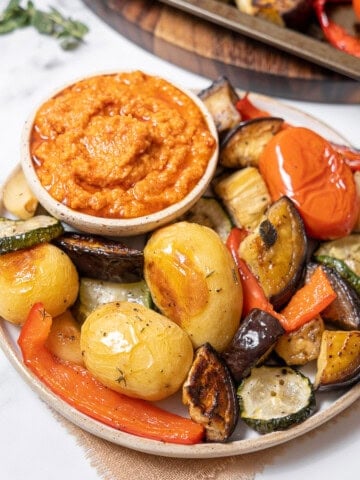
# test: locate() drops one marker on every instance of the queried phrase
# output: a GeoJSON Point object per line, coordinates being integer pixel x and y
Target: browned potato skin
{"type": "Point", "coordinates": [64, 338]}
{"type": "Point", "coordinates": [338, 363]}
{"type": "Point", "coordinates": [302, 345]}
{"type": "Point", "coordinates": [38, 274]}
{"type": "Point", "coordinates": [194, 281]}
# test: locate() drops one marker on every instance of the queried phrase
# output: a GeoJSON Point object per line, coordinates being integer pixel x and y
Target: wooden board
{"type": "Point", "coordinates": [211, 50]}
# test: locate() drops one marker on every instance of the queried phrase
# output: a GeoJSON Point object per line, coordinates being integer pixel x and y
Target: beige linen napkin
{"type": "Point", "coordinates": [113, 462]}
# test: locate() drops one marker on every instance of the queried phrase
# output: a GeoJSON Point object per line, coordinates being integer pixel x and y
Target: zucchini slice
{"type": "Point", "coordinates": [20, 234]}
{"type": "Point", "coordinates": [346, 249]}
{"type": "Point", "coordinates": [93, 292]}
{"type": "Point", "coordinates": [275, 398]}
{"type": "Point", "coordinates": [208, 212]}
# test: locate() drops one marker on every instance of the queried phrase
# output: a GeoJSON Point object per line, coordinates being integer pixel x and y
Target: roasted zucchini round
{"type": "Point", "coordinates": [275, 398]}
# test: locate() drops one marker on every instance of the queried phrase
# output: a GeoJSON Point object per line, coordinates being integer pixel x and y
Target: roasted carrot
{"type": "Point", "coordinates": [76, 386]}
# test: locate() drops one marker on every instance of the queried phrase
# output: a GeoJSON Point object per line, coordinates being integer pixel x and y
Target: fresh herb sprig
{"type": "Point", "coordinates": [70, 33]}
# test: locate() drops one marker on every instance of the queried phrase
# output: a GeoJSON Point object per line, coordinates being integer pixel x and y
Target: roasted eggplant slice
{"type": "Point", "coordinates": [275, 398]}
{"type": "Point", "coordinates": [245, 196]}
{"type": "Point", "coordinates": [254, 340]}
{"type": "Point", "coordinates": [104, 259]}
{"type": "Point", "coordinates": [210, 394]}
{"type": "Point", "coordinates": [220, 99]}
{"type": "Point", "coordinates": [277, 260]}
{"type": "Point", "coordinates": [344, 311]}
{"type": "Point", "coordinates": [301, 346]}
{"type": "Point", "coordinates": [342, 269]}
{"type": "Point", "coordinates": [338, 363]}
{"type": "Point", "coordinates": [242, 145]}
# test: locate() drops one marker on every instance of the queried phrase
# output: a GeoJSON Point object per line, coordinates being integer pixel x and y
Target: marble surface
{"type": "Point", "coordinates": [33, 445]}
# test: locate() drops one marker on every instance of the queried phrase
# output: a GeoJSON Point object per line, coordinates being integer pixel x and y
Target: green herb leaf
{"type": "Point", "coordinates": [69, 32]}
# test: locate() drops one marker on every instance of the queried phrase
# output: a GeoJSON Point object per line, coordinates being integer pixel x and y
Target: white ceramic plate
{"type": "Point", "coordinates": [244, 440]}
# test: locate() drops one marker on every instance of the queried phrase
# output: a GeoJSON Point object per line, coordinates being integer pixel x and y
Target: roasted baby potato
{"type": "Point", "coordinates": [302, 345]}
{"type": "Point", "coordinates": [18, 199]}
{"type": "Point", "coordinates": [39, 274]}
{"type": "Point", "coordinates": [338, 363]}
{"type": "Point", "coordinates": [276, 251]}
{"type": "Point", "coordinates": [243, 145]}
{"type": "Point", "coordinates": [135, 350]}
{"type": "Point", "coordinates": [64, 338]}
{"type": "Point", "coordinates": [193, 281]}
{"type": "Point", "coordinates": [210, 394]}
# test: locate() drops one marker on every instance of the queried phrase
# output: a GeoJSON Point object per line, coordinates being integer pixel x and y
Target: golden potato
{"type": "Point", "coordinates": [64, 338]}
{"type": "Point", "coordinates": [39, 274]}
{"type": "Point", "coordinates": [135, 350]}
{"type": "Point", "coordinates": [194, 281]}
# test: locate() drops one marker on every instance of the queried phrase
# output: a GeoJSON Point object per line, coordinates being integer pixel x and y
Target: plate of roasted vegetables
{"type": "Point", "coordinates": [230, 330]}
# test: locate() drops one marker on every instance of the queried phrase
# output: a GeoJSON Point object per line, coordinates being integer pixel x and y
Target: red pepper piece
{"type": "Point", "coordinates": [76, 386]}
{"type": "Point", "coordinates": [253, 294]}
{"type": "Point", "coordinates": [307, 302]}
{"type": "Point", "coordinates": [248, 110]}
{"type": "Point", "coordinates": [334, 33]}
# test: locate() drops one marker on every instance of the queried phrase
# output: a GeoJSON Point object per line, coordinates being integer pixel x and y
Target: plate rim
{"type": "Point", "coordinates": [197, 451]}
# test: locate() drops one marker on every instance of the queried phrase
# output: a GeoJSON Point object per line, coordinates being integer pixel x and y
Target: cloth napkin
{"type": "Point", "coordinates": [113, 462]}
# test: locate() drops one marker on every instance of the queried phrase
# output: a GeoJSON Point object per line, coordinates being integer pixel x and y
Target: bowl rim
{"type": "Point", "coordinates": [114, 226]}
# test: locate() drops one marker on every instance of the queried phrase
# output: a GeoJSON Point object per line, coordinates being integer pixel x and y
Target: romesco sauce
{"type": "Point", "coordinates": [120, 145]}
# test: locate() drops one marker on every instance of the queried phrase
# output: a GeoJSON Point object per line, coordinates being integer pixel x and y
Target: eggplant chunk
{"type": "Point", "coordinates": [242, 145]}
{"type": "Point", "coordinates": [104, 259]}
{"type": "Point", "coordinates": [276, 251]}
{"type": "Point", "coordinates": [338, 364]}
{"type": "Point", "coordinates": [301, 346]}
{"type": "Point", "coordinates": [344, 311]}
{"type": "Point", "coordinates": [252, 343]}
{"type": "Point", "coordinates": [220, 99]}
{"type": "Point", "coordinates": [245, 196]}
{"type": "Point", "coordinates": [210, 395]}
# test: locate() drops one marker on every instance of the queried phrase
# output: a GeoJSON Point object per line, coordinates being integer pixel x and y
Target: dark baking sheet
{"type": "Point", "coordinates": [299, 44]}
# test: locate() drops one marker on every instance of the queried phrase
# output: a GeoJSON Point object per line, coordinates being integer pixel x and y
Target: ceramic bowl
{"type": "Point", "coordinates": [110, 226]}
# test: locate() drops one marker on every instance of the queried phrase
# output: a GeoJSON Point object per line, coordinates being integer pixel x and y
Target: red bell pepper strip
{"type": "Point", "coordinates": [305, 304]}
{"type": "Point", "coordinates": [334, 33]}
{"type": "Point", "coordinates": [253, 294]}
{"type": "Point", "coordinates": [77, 386]}
{"type": "Point", "coordinates": [248, 110]}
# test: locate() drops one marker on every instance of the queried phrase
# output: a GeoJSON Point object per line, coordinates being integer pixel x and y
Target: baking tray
{"type": "Point", "coordinates": [299, 44]}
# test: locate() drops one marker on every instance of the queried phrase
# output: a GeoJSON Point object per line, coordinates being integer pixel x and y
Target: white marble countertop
{"type": "Point", "coordinates": [33, 445]}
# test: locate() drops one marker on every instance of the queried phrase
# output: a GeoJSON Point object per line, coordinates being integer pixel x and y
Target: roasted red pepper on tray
{"type": "Point", "coordinates": [334, 33]}
{"type": "Point", "coordinates": [76, 386]}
